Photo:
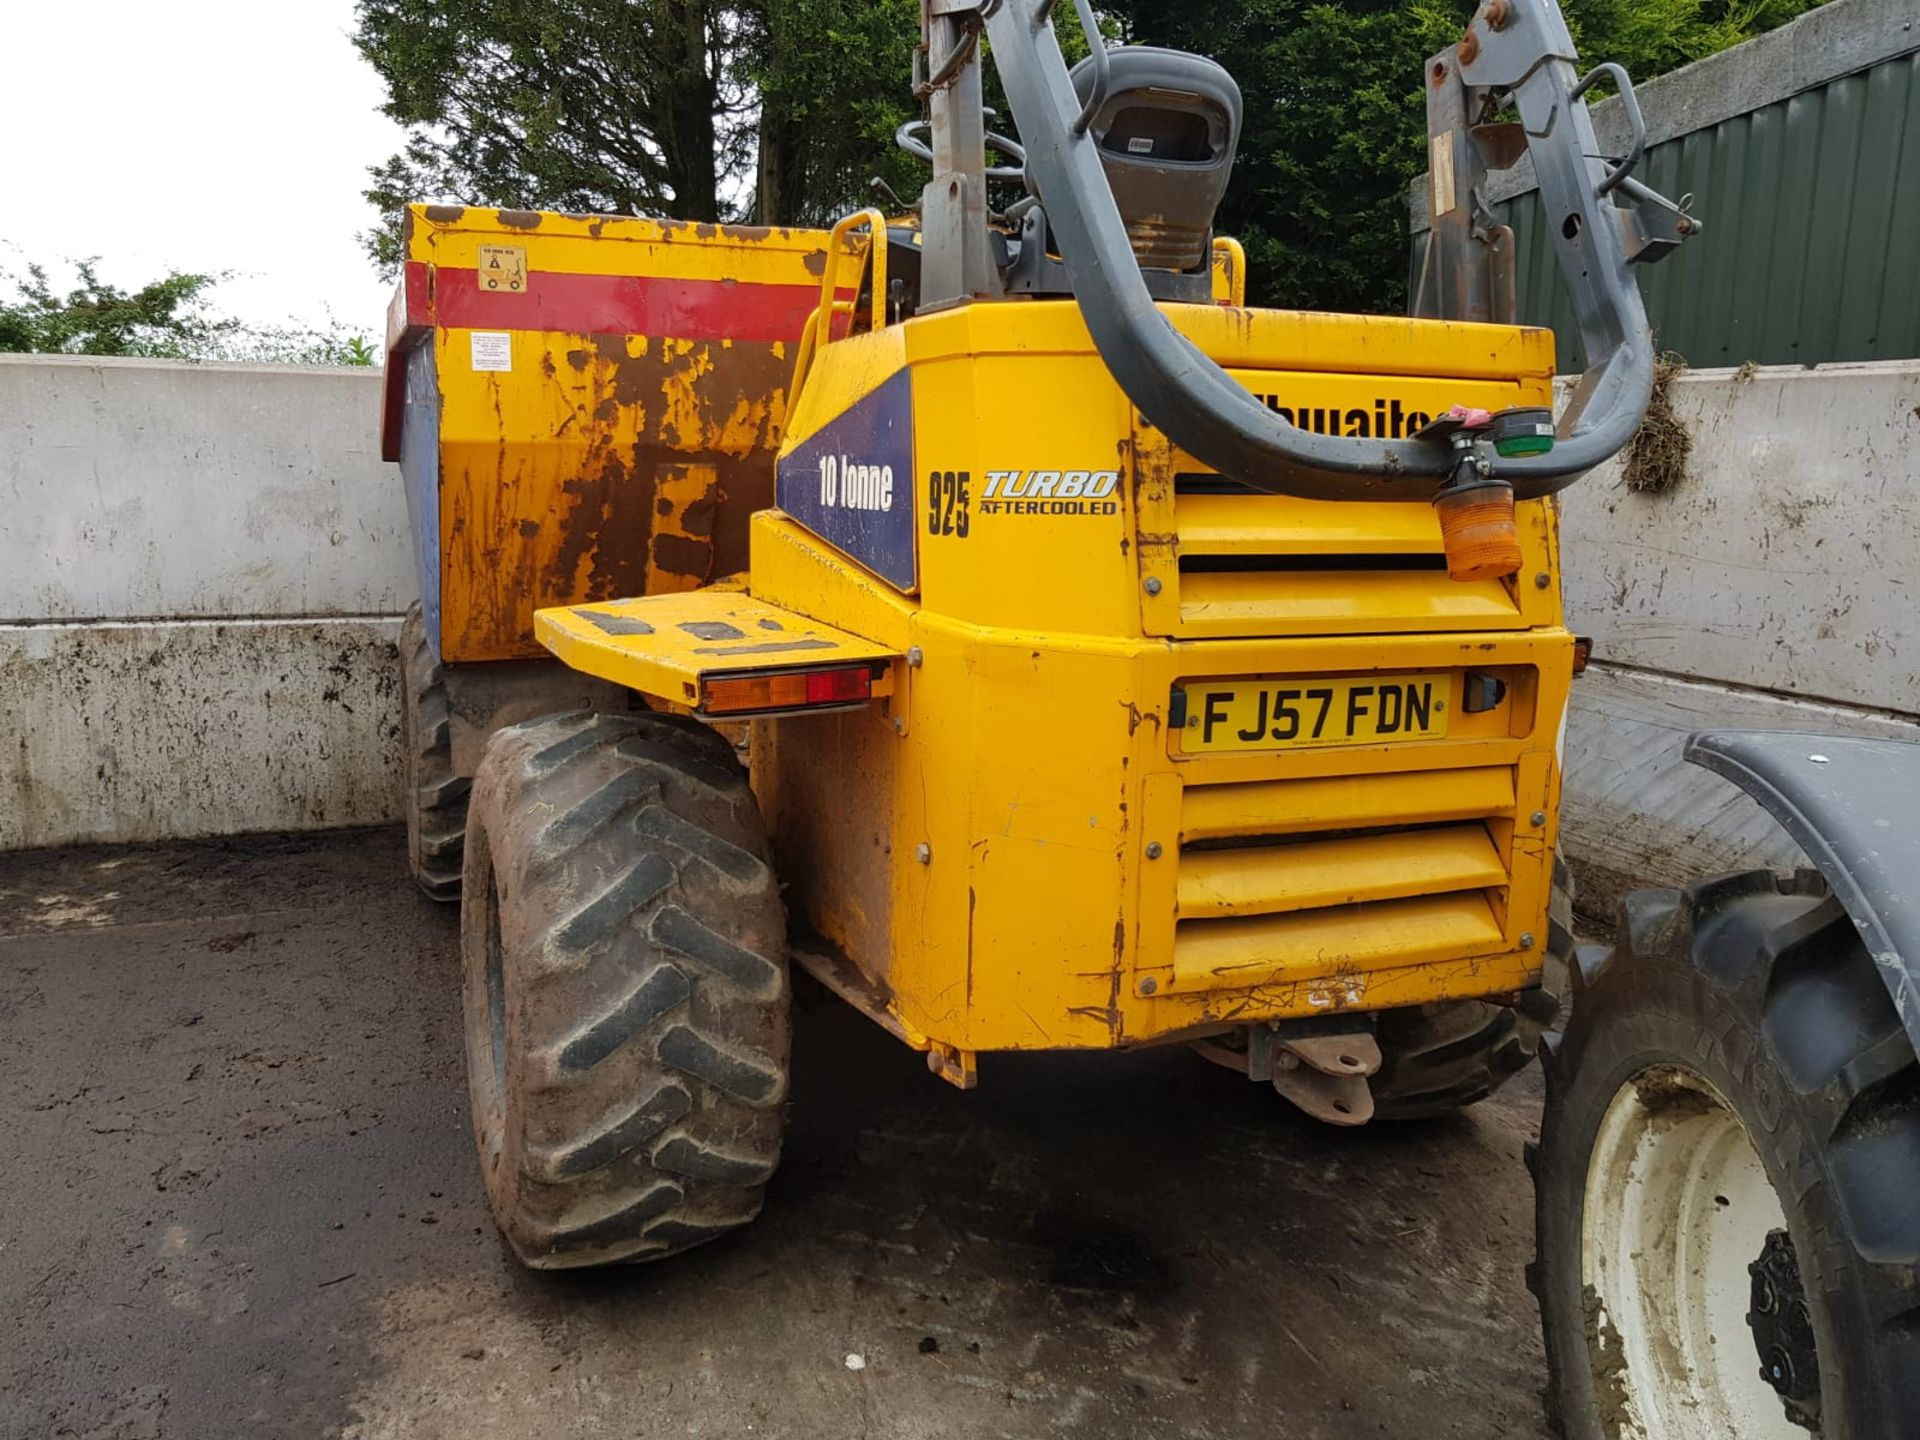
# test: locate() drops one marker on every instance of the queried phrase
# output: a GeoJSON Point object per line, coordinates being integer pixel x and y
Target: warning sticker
{"type": "Point", "coordinates": [503, 268]}
{"type": "Point", "coordinates": [492, 350]}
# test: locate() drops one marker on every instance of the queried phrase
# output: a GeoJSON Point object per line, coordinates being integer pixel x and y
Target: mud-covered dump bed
{"type": "Point", "coordinates": [584, 407]}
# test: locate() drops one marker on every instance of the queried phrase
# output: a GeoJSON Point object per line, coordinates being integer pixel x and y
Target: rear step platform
{"type": "Point", "coordinates": [719, 652]}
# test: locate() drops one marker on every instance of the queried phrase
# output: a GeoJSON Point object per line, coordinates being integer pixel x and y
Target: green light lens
{"type": "Point", "coordinates": [1524, 445]}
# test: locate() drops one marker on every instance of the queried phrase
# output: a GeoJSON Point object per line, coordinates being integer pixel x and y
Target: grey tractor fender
{"type": "Point", "coordinates": [1853, 805]}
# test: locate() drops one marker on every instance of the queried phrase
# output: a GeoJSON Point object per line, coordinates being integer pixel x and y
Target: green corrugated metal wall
{"type": "Point", "coordinates": [1811, 250]}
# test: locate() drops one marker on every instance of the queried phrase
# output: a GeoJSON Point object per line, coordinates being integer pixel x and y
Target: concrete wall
{"type": "Point", "coordinates": [203, 568]}
{"type": "Point", "coordinates": [1775, 586]}
{"type": "Point", "coordinates": [201, 574]}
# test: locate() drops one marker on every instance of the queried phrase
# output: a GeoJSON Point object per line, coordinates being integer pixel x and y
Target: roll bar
{"type": "Point", "coordinates": [1519, 49]}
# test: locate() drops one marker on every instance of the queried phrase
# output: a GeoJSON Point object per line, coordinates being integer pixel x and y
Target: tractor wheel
{"type": "Point", "coordinates": [436, 798]}
{"type": "Point", "coordinates": [623, 951]}
{"type": "Point", "coordinates": [1729, 1241]}
{"type": "Point", "coordinates": [1436, 1059]}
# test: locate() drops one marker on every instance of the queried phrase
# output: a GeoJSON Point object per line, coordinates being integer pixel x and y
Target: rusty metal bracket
{"type": "Point", "coordinates": [943, 74]}
{"type": "Point", "coordinates": [899, 704]}
{"type": "Point", "coordinates": [1320, 1067]}
{"type": "Point", "coordinates": [1325, 1074]}
{"type": "Point", "coordinates": [1355, 1052]}
{"type": "Point", "coordinates": [959, 1068]}
{"type": "Point", "coordinates": [1652, 227]}
{"type": "Point", "coordinates": [1332, 1099]}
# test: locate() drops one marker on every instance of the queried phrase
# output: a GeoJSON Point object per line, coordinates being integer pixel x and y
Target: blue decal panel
{"type": "Point", "coordinates": [420, 473]}
{"type": "Point", "coordinates": [851, 482]}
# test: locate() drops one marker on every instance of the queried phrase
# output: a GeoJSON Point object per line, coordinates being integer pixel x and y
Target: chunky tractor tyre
{"type": "Point", "coordinates": [1435, 1059]}
{"type": "Point", "coordinates": [623, 949]}
{"type": "Point", "coordinates": [1727, 1186]}
{"type": "Point", "coordinates": [436, 797]}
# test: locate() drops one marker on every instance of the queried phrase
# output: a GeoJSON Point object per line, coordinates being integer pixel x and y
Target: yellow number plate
{"type": "Point", "coordinates": [1285, 714]}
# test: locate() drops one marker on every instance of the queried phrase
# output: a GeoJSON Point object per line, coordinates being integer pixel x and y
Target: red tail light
{"type": "Point", "coordinates": [785, 690]}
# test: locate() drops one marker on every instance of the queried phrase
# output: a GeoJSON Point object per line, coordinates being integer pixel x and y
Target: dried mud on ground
{"type": "Point", "coordinates": [240, 1200]}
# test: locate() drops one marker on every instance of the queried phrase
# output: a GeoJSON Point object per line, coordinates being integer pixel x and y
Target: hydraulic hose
{"type": "Point", "coordinates": [1204, 411]}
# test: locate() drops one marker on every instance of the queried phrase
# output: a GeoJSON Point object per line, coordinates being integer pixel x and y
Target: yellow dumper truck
{"type": "Point", "coordinates": [985, 611]}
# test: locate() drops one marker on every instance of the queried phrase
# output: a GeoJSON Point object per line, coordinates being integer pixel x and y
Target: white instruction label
{"type": "Point", "coordinates": [492, 350]}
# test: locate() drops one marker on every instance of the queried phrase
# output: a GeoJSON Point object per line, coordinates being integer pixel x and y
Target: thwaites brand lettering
{"type": "Point", "coordinates": [1050, 492]}
{"type": "Point", "coordinates": [1380, 419]}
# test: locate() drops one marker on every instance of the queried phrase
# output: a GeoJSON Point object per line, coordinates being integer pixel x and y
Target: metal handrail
{"type": "Point", "coordinates": [1235, 257]}
{"type": "Point", "coordinates": [1102, 66]}
{"type": "Point", "coordinates": [1630, 103]}
{"type": "Point", "coordinates": [818, 331]}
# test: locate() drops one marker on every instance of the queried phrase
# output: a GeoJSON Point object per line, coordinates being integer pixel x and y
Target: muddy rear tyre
{"type": "Point", "coordinates": [1728, 1239]}
{"type": "Point", "coordinates": [626, 988]}
{"type": "Point", "coordinates": [1436, 1059]}
{"type": "Point", "coordinates": [436, 797]}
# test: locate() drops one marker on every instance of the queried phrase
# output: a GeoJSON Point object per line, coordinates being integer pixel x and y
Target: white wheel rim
{"type": "Point", "coordinates": [1677, 1206]}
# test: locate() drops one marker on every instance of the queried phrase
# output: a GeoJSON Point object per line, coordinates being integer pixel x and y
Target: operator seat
{"type": "Point", "coordinates": [1167, 131]}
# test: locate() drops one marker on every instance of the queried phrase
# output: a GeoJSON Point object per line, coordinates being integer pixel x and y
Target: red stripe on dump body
{"type": "Point", "coordinates": [627, 305]}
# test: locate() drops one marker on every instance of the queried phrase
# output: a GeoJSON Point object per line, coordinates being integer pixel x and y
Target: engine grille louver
{"type": "Point", "coordinates": [1290, 880]}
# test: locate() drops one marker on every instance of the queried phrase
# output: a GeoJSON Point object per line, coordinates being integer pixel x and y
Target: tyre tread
{"type": "Point", "coordinates": [1780, 955]}
{"type": "Point", "coordinates": [1438, 1059]}
{"type": "Point", "coordinates": [436, 796]}
{"type": "Point", "coordinates": [643, 923]}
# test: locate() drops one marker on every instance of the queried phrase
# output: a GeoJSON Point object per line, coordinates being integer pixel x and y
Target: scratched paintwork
{"type": "Point", "coordinates": [601, 464]}
{"type": "Point", "coordinates": [666, 644]}
{"type": "Point", "coordinates": [977, 846]}
{"type": "Point", "coordinates": [630, 468]}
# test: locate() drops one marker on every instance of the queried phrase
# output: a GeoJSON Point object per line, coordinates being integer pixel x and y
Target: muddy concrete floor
{"type": "Point", "coordinates": [238, 1199]}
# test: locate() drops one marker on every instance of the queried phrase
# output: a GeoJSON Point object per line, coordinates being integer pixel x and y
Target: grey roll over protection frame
{"type": "Point", "coordinates": [1528, 58]}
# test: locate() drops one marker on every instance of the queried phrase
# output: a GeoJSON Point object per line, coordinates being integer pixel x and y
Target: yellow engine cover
{"type": "Point", "coordinates": [1048, 836]}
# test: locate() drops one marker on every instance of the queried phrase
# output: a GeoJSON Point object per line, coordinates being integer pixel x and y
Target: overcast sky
{"type": "Point", "coordinates": [199, 135]}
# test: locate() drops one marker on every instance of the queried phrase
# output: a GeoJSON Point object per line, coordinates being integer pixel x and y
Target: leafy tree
{"type": "Point", "coordinates": [772, 110]}
{"type": "Point", "coordinates": [832, 78]}
{"type": "Point", "coordinates": [779, 110]}
{"type": "Point", "coordinates": [621, 106]}
{"type": "Point", "coordinates": [329, 344]}
{"type": "Point", "coordinates": [1336, 119]}
{"type": "Point", "coordinates": [1651, 37]}
{"type": "Point", "coordinates": [163, 319]}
